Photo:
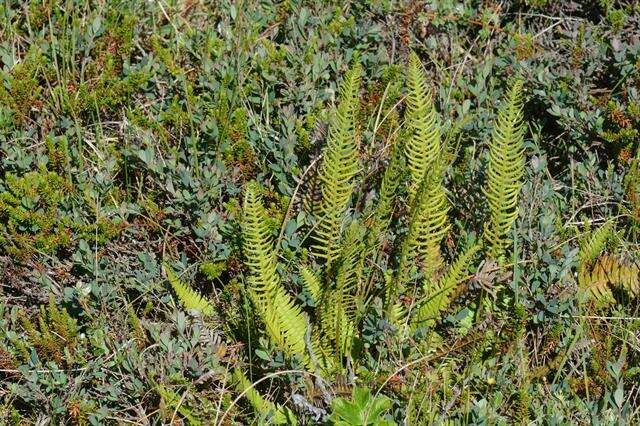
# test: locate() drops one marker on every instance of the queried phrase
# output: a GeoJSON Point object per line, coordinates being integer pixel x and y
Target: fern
{"type": "Point", "coordinates": [437, 295]}
{"type": "Point", "coordinates": [172, 403]}
{"type": "Point", "coordinates": [594, 244]}
{"type": "Point", "coordinates": [339, 311]}
{"type": "Point", "coordinates": [423, 146]}
{"type": "Point", "coordinates": [505, 170]}
{"type": "Point", "coordinates": [428, 225]}
{"type": "Point", "coordinates": [606, 274]}
{"type": "Point", "coordinates": [388, 191]}
{"type": "Point", "coordinates": [274, 413]}
{"type": "Point", "coordinates": [311, 283]}
{"type": "Point", "coordinates": [339, 166]}
{"type": "Point", "coordinates": [284, 322]}
{"type": "Point", "coordinates": [190, 299]}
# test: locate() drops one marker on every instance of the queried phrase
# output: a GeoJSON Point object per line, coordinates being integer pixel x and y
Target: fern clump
{"type": "Point", "coordinates": [347, 269]}
{"type": "Point", "coordinates": [505, 170]}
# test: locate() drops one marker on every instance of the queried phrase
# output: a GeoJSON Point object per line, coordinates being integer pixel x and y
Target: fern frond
{"type": "Point", "coordinates": [339, 166]}
{"type": "Point", "coordinates": [172, 402]}
{"type": "Point", "coordinates": [391, 180]}
{"type": "Point", "coordinates": [284, 322]}
{"type": "Point", "coordinates": [437, 295]}
{"type": "Point", "coordinates": [337, 328]}
{"type": "Point", "coordinates": [505, 170]}
{"type": "Point", "coordinates": [276, 414]}
{"type": "Point", "coordinates": [351, 260]}
{"type": "Point", "coordinates": [423, 146]}
{"type": "Point", "coordinates": [190, 299]}
{"type": "Point", "coordinates": [339, 311]}
{"type": "Point", "coordinates": [595, 243]}
{"type": "Point", "coordinates": [311, 283]}
{"type": "Point", "coordinates": [427, 227]}
{"type": "Point", "coordinates": [322, 349]}
{"type": "Point", "coordinates": [607, 273]}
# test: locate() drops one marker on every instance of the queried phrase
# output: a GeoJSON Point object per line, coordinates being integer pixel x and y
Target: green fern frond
{"type": "Point", "coordinates": [339, 166]}
{"type": "Point", "coordinates": [388, 191]}
{"type": "Point", "coordinates": [337, 328]}
{"type": "Point", "coordinates": [339, 308]}
{"type": "Point", "coordinates": [284, 322]}
{"type": "Point", "coordinates": [594, 244]}
{"type": "Point", "coordinates": [428, 226]}
{"type": "Point", "coordinates": [311, 283]}
{"type": "Point", "coordinates": [172, 402]}
{"type": "Point", "coordinates": [322, 353]}
{"type": "Point", "coordinates": [423, 147]}
{"type": "Point", "coordinates": [276, 414]}
{"type": "Point", "coordinates": [351, 260]}
{"type": "Point", "coordinates": [437, 296]}
{"type": "Point", "coordinates": [397, 313]}
{"type": "Point", "coordinates": [505, 170]}
{"type": "Point", "coordinates": [190, 299]}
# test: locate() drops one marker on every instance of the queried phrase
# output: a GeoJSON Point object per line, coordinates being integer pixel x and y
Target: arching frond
{"type": "Point", "coordinates": [190, 299]}
{"type": "Point", "coordinates": [437, 295]}
{"type": "Point", "coordinates": [284, 322]}
{"type": "Point", "coordinates": [592, 246]}
{"type": "Point", "coordinates": [339, 166]}
{"type": "Point", "coordinates": [505, 170]}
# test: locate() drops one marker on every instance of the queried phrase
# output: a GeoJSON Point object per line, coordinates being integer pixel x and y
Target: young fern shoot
{"type": "Point", "coordinates": [505, 171]}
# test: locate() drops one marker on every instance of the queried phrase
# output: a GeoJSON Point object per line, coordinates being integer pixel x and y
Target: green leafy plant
{"type": "Point", "coordinates": [600, 273]}
{"type": "Point", "coordinates": [191, 299]}
{"type": "Point", "coordinates": [339, 166]}
{"type": "Point", "coordinates": [505, 170]}
{"type": "Point", "coordinates": [361, 410]}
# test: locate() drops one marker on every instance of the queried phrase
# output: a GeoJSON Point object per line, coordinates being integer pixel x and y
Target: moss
{"type": "Point", "coordinates": [165, 56]}
{"type": "Point", "coordinates": [58, 153]}
{"type": "Point", "coordinates": [213, 270]}
{"type": "Point", "coordinates": [139, 118]}
{"type": "Point", "coordinates": [39, 12]}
